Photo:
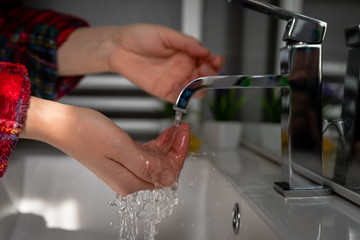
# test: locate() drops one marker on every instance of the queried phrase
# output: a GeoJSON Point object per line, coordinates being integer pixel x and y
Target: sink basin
{"type": "Point", "coordinates": [48, 195]}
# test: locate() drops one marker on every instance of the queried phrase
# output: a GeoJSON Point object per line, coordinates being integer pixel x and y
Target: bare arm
{"type": "Point", "coordinates": [101, 146]}
{"type": "Point", "coordinates": [156, 58]}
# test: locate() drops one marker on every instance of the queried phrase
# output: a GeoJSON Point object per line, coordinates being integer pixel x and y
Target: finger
{"type": "Point", "coordinates": [158, 168]}
{"type": "Point", "coordinates": [180, 146]}
{"type": "Point", "coordinates": [205, 69]}
{"type": "Point", "coordinates": [195, 49]}
{"type": "Point", "coordinates": [217, 62]}
{"type": "Point", "coordinates": [174, 144]}
{"type": "Point", "coordinates": [164, 141]}
{"type": "Point", "coordinates": [176, 40]}
{"type": "Point", "coordinates": [211, 65]}
{"type": "Point", "coordinates": [144, 161]}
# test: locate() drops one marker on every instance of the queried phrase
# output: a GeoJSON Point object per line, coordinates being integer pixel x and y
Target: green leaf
{"type": "Point", "coordinates": [227, 106]}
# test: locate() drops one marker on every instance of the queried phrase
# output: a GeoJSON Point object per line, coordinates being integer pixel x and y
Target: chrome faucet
{"type": "Point", "coordinates": [300, 82]}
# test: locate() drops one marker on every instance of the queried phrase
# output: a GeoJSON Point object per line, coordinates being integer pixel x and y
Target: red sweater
{"type": "Point", "coordinates": [29, 40]}
{"type": "Point", "coordinates": [14, 101]}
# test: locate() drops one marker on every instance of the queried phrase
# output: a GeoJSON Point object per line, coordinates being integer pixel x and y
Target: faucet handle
{"type": "Point", "coordinates": [300, 28]}
{"type": "Point", "coordinates": [352, 36]}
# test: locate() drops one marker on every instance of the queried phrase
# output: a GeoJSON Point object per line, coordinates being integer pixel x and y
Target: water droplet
{"type": "Point", "coordinates": [213, 170]}
{"type": "Point", "coordinates": [147, 163]}
{"type": "Point", "coordinates": [182, 225]}
{"type": "Point", "coordinates": [212, 182]}
{"type": "Point", "coordinates": [191, 184]}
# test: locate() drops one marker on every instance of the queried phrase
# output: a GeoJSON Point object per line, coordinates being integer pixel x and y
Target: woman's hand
{"type": "Point", "coordinates": [101, 146]}
{"type": "Point", "coordinates": [160, 60]}
{"type": "Point", "coordinates": [156, 58]}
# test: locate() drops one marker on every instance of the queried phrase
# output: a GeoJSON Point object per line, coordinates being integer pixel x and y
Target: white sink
{"type": "Point", "coordinates": [47, 195]}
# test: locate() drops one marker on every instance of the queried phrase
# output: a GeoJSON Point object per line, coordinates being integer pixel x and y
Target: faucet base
{"type": "Point", "coordinates": [315, 191]}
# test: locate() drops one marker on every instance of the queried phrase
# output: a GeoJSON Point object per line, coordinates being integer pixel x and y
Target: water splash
{"type": "Point", "coordinates": [149, 206]}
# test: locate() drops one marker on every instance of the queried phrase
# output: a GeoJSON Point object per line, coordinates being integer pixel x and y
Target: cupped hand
{"type": "Point", "coordinates": [151, 165]}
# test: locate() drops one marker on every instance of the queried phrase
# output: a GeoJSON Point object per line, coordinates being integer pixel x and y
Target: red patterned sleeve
{"type": "Point", "coordinates": [14, 102]}
{"type": "Point", "coordinates": [31, 37]}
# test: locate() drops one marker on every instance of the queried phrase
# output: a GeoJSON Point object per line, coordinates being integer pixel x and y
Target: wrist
{"type": "Point", "coordinates": [40, 119]}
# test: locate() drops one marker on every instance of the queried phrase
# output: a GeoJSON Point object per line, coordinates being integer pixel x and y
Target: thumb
{"type": "Point", "coordinates": [180, 146]}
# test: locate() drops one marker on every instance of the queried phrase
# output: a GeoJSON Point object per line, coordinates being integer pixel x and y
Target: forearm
{"type": "Point", "coordinates": [87, 50]}
{"type": "Point", "coordinates": [79, 132]}
{"type": "Point", "coordinates": [64, 126]}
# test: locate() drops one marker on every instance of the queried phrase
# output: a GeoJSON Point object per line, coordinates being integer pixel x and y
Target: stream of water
{"type": "Point", "coordinates": [149, 206]}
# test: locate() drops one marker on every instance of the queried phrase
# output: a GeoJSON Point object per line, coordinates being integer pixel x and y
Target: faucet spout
{"type": "Point", "coordinates": [246, 81]}
{"type": "Point", "coordinates": [227, 82]}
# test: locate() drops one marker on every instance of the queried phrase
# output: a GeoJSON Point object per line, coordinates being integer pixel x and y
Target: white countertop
{"type": "Point", "coordinates": [329, 217]}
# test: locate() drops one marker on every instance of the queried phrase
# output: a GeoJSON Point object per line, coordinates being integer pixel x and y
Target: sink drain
{"type": "Point", "coordinates": [236, 218]}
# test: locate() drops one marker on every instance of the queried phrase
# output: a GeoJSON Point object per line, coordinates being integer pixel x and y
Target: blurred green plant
{"type": "Point", "coordinates": [168, 110]}
{"type": "Point", "coordinates": [226, 104]}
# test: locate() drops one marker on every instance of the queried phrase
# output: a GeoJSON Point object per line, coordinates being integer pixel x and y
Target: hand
{"type": "Point", "coordinates": [101, 146]}
{"type": "Point", "coordinates": [158, 59]}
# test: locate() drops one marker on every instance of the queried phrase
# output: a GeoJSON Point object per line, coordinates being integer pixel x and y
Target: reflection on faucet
{"type": "Point", "coordinates": [347, 165]}
{"type": "Point", "coordinates": [300, 84]}
{"type": "Point", "coordinates": [342, 126]}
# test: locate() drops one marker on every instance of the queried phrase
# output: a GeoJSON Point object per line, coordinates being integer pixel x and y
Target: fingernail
{"type": "Point", "coordinates": [166, 178]}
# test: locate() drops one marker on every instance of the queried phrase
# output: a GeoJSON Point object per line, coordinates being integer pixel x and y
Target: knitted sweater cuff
{"type": "Point", "coordinates": [14, 102]}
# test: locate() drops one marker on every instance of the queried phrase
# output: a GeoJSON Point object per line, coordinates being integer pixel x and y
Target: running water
{"type": "Point", "coordinates": [178, 117]}
{"type": "Point", "coordinates": [151, 206]}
